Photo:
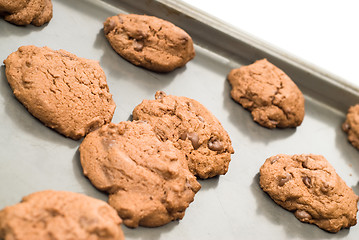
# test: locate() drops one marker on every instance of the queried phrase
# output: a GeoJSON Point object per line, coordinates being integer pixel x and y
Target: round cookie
{"type": "Point", "coordinates": [60, 215]}
{"type": "Point", "coordinates": [192, 128]}
{"type": "Point", "coordinates": [308, 186]}
{"type": "Point", "coordinates": [148, 180]}
{"type": "Point", "coordinates": [351, 125]}
{"type": "Point", "coordinates": [65, 92]}
{"type": "Point", "coordinates": [149, 42]}
{"type": "Point", "coordinates": [272, 97]}
{"type": "Point", "coordinates": [20, 12]}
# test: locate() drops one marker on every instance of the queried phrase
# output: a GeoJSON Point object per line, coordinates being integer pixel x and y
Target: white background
{"type": "Point", "coordinates": [323, 33]}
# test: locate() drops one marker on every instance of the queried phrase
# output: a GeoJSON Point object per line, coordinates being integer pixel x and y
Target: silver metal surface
{"type": "Point", "coordinates": [34, 157]}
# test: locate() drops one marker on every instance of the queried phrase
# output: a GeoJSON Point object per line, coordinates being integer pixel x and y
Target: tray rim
{"type": "Point", "coordinates": [258, 43]}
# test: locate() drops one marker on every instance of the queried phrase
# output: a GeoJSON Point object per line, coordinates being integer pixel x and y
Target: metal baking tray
{"type": "Point", "coordinates": [34, 157]}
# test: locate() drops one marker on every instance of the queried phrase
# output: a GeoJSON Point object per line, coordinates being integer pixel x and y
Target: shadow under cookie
{"type": "Point", "coordinates": [8, 29]}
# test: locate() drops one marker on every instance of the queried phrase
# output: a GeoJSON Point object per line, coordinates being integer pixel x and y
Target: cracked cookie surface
{"type": "Point", "coordinates": [148, 180]}
{"type": "Point", "coordinates": [50, 215]}
{"type": "Point", "coordinates": [192, 128]}
{"type": "Point", "coordinates": [272, 97]}
{"type": "Point", "coordinates": [351, 125]}
{"type": "Point", "coordinates": [65, 92]}
{"type": "Point", "coordinates": [149, 42]}
{"type": "Point", "coordinates": [19, 12]}
{"type": "Point", "coordinates": [308, 186]}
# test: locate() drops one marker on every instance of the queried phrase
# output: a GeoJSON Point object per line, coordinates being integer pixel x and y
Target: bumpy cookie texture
{"type": "Point", "coordinates": [272, 97]}
{"type": "Point", "coordinates": [149, 42]}
{"type": "Point", "coordinates": [192, 129]}
{"type": "Point", "coordinates": [308, 186]}
{"type": "Point", "coordinates": [20, 12]}
{"type": "Point", "coordinates": [65, 92]}
{"type": "Point", "coordinates": [351, 125]}
{"type": "Point", "coordinates": [148, 180]}
{"type": "Point", "coordinates": [50, 215]}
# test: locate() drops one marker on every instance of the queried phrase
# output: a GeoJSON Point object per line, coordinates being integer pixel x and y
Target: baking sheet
{"type": "Point", "coordinates": [34, 157]}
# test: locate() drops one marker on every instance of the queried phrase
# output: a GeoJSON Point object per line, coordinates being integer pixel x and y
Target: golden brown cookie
{"type": "Point", "coordinates": [272, 97]}
{"type": "Point", "coordinates": [65, 92]}
{"type": "Point", "coordinates": [148, 180]}
{"type": "Point", "coordinates": [51, 215]}
{"type": "Point", "coordinates": [192, 128]}
{"type": "Point", "coordinates": [20, 12]}
{"type": "Point", "coordinates": [308, 186]}
{"type": "Point", "coordinates": [351, 125]}
{"type": "Point", "coordinates": [149, 42]}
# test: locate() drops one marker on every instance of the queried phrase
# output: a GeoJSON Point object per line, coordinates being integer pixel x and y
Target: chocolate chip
{"type": "Point", "coordinates": [284, 180]}
{"type": "Point", "coordinates": [307, 181]}
{"type": "Point", "coordinates": [109, 27]}
{"type": "Point", "coordinates": [138, 46]}
{"type": "Point", "coordinates": [302, 215]}
{"type": "Point", "coordinates": [346, 127]}
{"type": "Point", "coordinates": [160, 95]}
{"type": "Point", "coordinates": [194, 139]}
{"type": "Point", "coordinates": [183, 136]}
{"type": "Point", "coordinates": [305, 164]}
{"type": "Point", "coordinates": [191, 136]}
{"type": "Point", "coordinates": [215, 145]}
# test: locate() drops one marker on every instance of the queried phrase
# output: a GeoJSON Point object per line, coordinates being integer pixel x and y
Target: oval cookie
{"type": "Point", "coordinates": [351, 125]}
{"type": "Point", "coordinates": [149, 42]}
{"type": "Point", "coordinates": [308, 186]}
{"type": "Point", "coordinates": [272, 97]}
{"type": "Point", "coordinates": [193, 130]}
{"type": "Point", "coordinates": [60, 215]}
{"type": "Point", "coordinates": [148, 180]}
{"type": "Point", "coordinates": [35, 12]}
{"type": "Point", "coordinates": [65, 92]}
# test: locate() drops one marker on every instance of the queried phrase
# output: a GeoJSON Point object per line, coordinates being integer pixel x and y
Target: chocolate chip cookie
{"type": "Point", "coordinates": [272, 97]}
{"type": "Point", "coordinates": [60, 215]}
{"type": "Point", "coordinates": [351, 125]}
{"type": "Point", "coordinates": [148, 180]}
{"type": "Point", "coordinates": [20, 12]}
{"type": "Point", "coordinates": [149, 42]}
{"type": "Point", "coordinates": [308, 186]}
{"type": "Point", "coordinates": [65, 92]}
{"type": "Point", "coordinates": [192, 129]}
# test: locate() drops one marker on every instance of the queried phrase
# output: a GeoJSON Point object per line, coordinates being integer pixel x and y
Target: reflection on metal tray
{"type": "Point", "coordinates": [233, 206]}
